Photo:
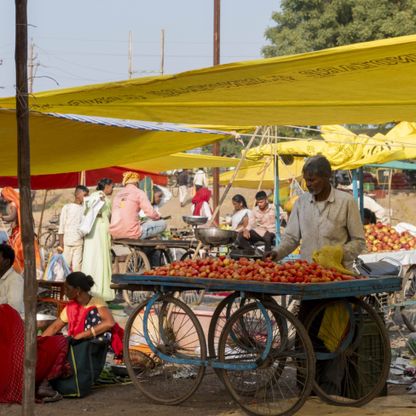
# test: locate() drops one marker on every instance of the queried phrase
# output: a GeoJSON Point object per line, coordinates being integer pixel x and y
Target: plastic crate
{"type": "Point", "coordinates": [368, 374]}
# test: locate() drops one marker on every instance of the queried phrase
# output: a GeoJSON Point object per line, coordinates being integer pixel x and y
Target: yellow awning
{"type": "Point", "coordinates": [345, 150]}
{"type": "Point", "coordinates": [183, 161]}
{"type": "Point", "coordinates": [371, 82]}
{"type": "Point", "coordinates": [63, 145]}
{"type": "Point", "coordinates": [263, 172]}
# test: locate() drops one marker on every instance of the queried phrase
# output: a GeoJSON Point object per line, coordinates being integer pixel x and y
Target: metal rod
{"type": "Point", "coordinates": [216, 146]}
{"type": "Point", "coordinates": [25, 223]}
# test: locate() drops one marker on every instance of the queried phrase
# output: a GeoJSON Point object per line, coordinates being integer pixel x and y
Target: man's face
{"type": "Point", "coordinates": [315, 184]}
{"type": "Point", "coordinates": [4, 265]}
{"type": "Point", "coordinates": [262, 204]}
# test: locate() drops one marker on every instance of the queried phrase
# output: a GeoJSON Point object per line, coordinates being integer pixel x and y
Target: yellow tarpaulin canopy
{"type": "Point", "coordinates": [251, 176]}
{"type": "Point", "coordinates": [183, 161]}
{"type": "Point", "coordinates": [66, 145]}
{"type": "Point", "coordinates": [345, 150]}
{"type": "Point", "coordinates": [371, 82]}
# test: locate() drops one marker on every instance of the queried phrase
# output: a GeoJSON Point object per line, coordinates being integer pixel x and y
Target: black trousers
{"type": "Point", "coordinates": [245, 243]}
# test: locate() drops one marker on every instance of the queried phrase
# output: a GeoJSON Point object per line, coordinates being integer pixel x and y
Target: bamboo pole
{"type": "Point", "coordinates": [42, 213]}
{"type": "Point", "coordinates": [228, 187]}
{"type": "Point", "coordinates": [26, 225]}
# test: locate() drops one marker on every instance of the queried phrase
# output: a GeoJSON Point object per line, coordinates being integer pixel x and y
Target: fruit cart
{"type": "Point", "coordinates": [267, 359]}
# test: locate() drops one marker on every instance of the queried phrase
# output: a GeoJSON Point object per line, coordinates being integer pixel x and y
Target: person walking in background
{"type": "Point", "coordinates": [97, 241]}
{"type": "Point", "coordinates": [200, 179]}
{"type": "Point", "coordinates": [183, 182]}
{"type": "Point", "coordinates": [200, 202]}
{"type": "Point", "coordinates": [70, 238]}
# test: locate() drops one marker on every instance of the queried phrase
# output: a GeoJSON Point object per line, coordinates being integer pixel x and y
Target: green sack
{"type": "Point", "coordinates": [87, 359]}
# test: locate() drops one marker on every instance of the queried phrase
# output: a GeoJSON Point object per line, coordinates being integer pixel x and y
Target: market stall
{"type": "Point", "coordinates": [262, 353]}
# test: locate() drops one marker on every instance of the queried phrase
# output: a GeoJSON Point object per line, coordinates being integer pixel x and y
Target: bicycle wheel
{"type": "Point", "coordinates": [136, 262]}
{"type": "Point", "coordinates": [221, 315]}
{"type": "Point", "coordinates": [409, 319]}
{"type": "Point", "coordinates": [173, 370]}
{"type": "Point", "coordinates": [352, 348]}
{"type": "Point", "coordinates": [278, 374]}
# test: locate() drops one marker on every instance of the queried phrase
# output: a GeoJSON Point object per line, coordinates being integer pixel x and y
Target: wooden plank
{"type": "Point", "coordinates": [153, 243]}
{"type": "Point", "coordinates": [26, 218]}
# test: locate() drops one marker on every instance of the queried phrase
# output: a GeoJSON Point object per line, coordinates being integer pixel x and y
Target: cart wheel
{"type": "Point", "coordinates": [177, 335]}
{"type": "Point", "coordinates": [222, 313]}
{"type": "Point", "coordinates": [136, 262]}
{"type": "Point", "coordinates": [283, 372]}
{"type": "Point", "coordinates": [357, 369]}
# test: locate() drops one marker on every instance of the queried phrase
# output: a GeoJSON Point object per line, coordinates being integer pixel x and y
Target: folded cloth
{"type": "Point", "coordinates": [331, 257]}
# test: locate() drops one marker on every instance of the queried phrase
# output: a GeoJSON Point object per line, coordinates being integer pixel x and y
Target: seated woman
{"type": "Point", "coordinates": [87, 317]}
{"type": "Point", "coordinates": [50, 365]}
{"type": "Point", "coordinates": [239, 220]}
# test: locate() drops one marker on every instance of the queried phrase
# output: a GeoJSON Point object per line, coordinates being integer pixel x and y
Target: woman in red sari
{"type": "Point", "coordinates": [13, 217]}
{"type": "Point", "coordinates": [50, 364]}
{"type": "Point", "coordinates": [87, 316]}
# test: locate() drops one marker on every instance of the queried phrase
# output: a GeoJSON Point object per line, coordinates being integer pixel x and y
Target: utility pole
{"type": "Point", "coordinates": [32, 66]}
{"type": "Point", "coordinates": [28, 236]}
{"type": "Point", "coordinates": [216, 146]}
{"type": "Point", "coordinates": [130, 55]}
{"type": "Point", "coordinates": [162, 51]}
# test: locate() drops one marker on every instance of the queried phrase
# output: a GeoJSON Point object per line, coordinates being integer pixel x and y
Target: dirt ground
{"type": "Point", "coordinates": [210, 399]}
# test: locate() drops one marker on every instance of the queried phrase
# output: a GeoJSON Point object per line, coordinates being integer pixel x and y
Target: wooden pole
{"type": "Point", "coordinates": [216, 146]}
{"type": "Point", "coordinates": [45, 196]}
{"type": "Point", "coordinates": [26, 225]}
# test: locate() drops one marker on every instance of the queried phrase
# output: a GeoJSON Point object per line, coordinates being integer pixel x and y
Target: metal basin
{"type": "Point", "coordinates": [195, 219]}
{"type": "Point", "coordinates": [213, 236]}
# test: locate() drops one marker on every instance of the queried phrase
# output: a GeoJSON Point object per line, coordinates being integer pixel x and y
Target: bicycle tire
{"type": "Point", "coordinates": [409, 325]}
{"type": "Point", "coordinates": [160, 381]}
{"type": "Point", "coordinates": [363, 375]}
{"type": "Point", "coordinates": [136, 262]}
{"type": "Point", "coordinates": [278, 378]}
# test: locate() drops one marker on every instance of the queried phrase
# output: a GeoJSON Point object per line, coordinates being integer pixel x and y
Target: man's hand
{"type": "Point", "coordinates": [60, 249]}
{"type": "Point", "coordinates": [246, 234]}
{"type": "Point", "coordinates": [272, 255]}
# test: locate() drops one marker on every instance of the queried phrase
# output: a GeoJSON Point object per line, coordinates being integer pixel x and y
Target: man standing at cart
{"type": "Point", "coordinates": [323, 220]}
{"type": "Point", "coordinates": [322, 217]}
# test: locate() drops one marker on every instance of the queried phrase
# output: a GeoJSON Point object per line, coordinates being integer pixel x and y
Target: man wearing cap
{"type": "Point", "coordinates": [127, 204]}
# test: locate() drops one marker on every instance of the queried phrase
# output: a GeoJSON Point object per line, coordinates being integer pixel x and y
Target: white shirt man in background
{"type": "Point", "coordinates": [71, 240]}
{"type": "Point", "coordinates": [11, 282]}
{"type": "Point", "coordinates": [200, 178]}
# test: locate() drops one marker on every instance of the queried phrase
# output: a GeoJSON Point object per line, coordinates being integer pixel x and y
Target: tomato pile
{"type": "Point", "coordinates": [381, 237]}
{"type": "Point", "coordinates": [299, 271]}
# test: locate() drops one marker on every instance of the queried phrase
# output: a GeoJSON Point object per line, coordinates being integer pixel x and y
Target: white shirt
{"type": "Point", "coordinates": [11, 290]}
{"type": "Point", "coordinates": [200, 178]}
{"type": "Point", "coordinates": [69, 222]}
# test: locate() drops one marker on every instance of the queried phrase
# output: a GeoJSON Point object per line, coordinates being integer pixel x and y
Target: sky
{"type": "Point", "coordinates": [81, 42]}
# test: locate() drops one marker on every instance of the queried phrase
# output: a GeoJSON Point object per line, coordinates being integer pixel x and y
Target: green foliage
{"type": "Point", "coordinates": [308, 25]}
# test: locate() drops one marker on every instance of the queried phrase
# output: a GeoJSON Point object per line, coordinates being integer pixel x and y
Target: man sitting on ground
{"type": "Point", "coordinates": [261, 224]}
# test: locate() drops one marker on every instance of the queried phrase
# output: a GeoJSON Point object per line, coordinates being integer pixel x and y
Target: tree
{"type": "Point", "coordinates": [309, 25]}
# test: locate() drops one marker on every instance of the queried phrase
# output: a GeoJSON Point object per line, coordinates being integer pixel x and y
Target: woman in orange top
{"type": "Point", "coordinates": [13, 206]}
